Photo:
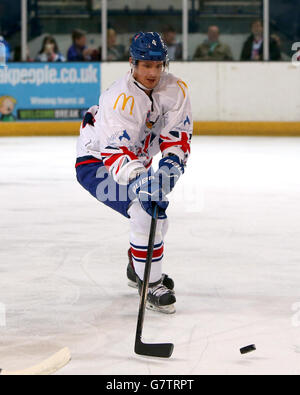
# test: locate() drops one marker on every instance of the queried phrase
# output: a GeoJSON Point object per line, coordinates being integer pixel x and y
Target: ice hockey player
{"type": "Point", "coordinates": [144, 113]}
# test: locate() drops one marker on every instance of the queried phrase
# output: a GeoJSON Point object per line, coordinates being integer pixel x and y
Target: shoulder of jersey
{"type": "Point", "coordinates": [173, 86]}
{"type": "Point", "coordinates": [169, 78]}
{"type": "Point", "coordinates": [115, 92]}
{"type": "Point", "coordinates": [121, 85]}
{"type": "Point", "coordinates": [120, 99]}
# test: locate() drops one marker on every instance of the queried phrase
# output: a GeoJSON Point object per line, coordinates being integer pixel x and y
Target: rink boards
{"type": "Point", "coordinates": [71, 128]}
{"type": "Point", "coordinates": [228, 98]}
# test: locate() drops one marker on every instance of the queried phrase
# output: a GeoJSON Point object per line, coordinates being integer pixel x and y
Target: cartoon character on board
{"type": "Point", "coordinates": [7, 105]}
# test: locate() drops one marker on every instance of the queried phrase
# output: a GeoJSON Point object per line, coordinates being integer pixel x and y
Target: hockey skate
{"type": "Point", "coordinates": [132, 277]}
{"type": "Point", "coordinates": [159, 297]}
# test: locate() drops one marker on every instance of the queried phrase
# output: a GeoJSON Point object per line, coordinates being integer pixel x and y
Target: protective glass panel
{"type": "Point", "coordinates": [285, 30]}
{"type": "Point", "coordinates": [222, 30]}
{"type": "Point", "coordinates": [63, 30]}
{"type": "Point", "coordinates": [126, 17]}
{"type": "Point", "coordinates": [10, 28]}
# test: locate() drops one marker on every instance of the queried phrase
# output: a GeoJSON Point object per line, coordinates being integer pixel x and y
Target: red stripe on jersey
{"type": "Point", "coordinates": [105, 154]}
{"type": "Point", "coordinates": [87, 161]}
{"type": "Point", "coordinates": [149, 164]}
{"type": "Point", "coordinates": [110, 158]}
{"type": "Point", "coordinates": [183, 143]}
{"type": "Point", "coordinates": [146, 144]}
{"type": "Point", "coordinates": [126, 151]}
{"type": "Point", "coordinates": [120, 165]}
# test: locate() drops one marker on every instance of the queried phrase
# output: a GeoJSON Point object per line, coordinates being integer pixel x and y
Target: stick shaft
{"type": "Point", "coordinates": [147, 271]}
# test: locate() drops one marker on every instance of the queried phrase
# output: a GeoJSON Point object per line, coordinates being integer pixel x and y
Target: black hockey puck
{"type": "Point", "coordinates": [245, 350]}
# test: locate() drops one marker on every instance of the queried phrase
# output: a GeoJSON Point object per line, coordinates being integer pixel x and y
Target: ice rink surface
{"type": "Point", "coordinates": [233, 249]}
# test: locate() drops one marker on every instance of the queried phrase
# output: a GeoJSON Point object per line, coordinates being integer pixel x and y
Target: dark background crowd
{"type": "Point", "coordinates": [212, 29]}
{"type": "Point", "coordinates": [211, 49]}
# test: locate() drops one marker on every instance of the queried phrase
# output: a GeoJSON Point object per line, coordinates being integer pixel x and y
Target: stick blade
{"type": "Point", "coordinates": [161, 350]}
{"type": "Point", "coordinates": [47, 367]}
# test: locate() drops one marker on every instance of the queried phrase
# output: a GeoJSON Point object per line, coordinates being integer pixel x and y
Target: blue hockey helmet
{"type": "Point", "coordinates": [148, 46]}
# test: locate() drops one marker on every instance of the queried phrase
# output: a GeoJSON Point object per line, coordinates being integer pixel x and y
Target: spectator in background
{"type": "Point", "coordinates": [78, 50]}
{"type": "Point", "coordinates": [7, 48]}
{"type": "Point", "coordinates": [114, 51]}
{"type": "Point", "coordinates": [174, 47]}
{"type": "Point", "coordinates": [283, 55]}
{"type": "Point", "coordinates": [212, 48]}
{"type": "Point", "coordinates": [18, 55]}
{"type": "Point", "coordinates": [127, 51]}
{"type": "Point", "coordinates": [253, 47]}
{"type": "Point", "coordinates": [49, 51]}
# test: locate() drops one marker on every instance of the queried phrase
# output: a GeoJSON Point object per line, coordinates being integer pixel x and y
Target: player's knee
{"type": "Point", "coordinates": [140, 221]}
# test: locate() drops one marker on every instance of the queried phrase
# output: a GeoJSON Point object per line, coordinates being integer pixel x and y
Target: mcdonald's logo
{"type": "Point", "coordinates": [125, 100]}
{"type": "Point", "coordinates": [181, 85]}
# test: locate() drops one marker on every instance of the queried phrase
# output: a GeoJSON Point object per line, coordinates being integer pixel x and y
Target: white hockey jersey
{"type": "Point", "coordinates": [130, 127]}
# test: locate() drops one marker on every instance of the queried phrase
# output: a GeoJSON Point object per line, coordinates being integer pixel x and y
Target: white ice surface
{"type": "Point", "coordinates": [233, 249]}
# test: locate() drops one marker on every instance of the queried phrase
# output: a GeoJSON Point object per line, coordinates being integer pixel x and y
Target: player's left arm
{"type": "Point", "coordinates": [175, 138]}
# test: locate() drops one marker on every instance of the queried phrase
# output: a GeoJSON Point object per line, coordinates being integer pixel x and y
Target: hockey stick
{"type": "Point", "coordinates": [163, 350]}
{"type": "Point", "coordinates": [47, 367]}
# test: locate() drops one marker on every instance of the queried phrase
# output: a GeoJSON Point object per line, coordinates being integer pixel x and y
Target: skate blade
{"type": "Point", "coordinates": [162, 309]}
{"type": "Point", "coordinates": [132, 284]}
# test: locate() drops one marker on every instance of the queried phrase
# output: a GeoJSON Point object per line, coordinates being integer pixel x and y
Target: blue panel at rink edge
{"type": "Point", "coordinates": [48, 91]}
